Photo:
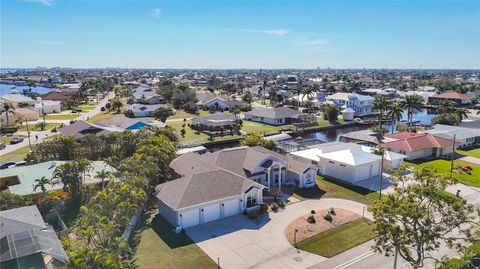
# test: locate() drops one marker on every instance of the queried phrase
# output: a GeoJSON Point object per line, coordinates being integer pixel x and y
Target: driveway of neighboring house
{"type": "Point", "coordinates": [239, 242]}
{"type": "Point", "coordinates": [470, 159]}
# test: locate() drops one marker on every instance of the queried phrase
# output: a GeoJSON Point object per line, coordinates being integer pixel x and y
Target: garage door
{"type": "Point", "coordinates": [211, 212]}
{"type": "Point", "coordinates": [190, 218]}
{"type": "Point", "coordinates": [231, 208]}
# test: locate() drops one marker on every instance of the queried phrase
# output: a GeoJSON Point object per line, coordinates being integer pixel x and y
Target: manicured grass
{"type": "Point", "coordinates": [160, 247]}
{"type": "Point", "coordinates": [339, 239]}
{"type": "Point", "coordinates": [443, 167]}
{"type": "Point", "coordinates": [257, 127]}
{"type": "Point", "coordinates": [195, 138]}
{"type": "Point", "coordinates": [330, 188]}
{"type": "Point", "coordinates": [15, 156]}
{"type": "Point", "coordinates": [103, 115]}
{"type": "Point", "coordinates": [470, 152]}
{"type": "Point", "coordinates": [35, 127]}
{"type": "Point", "coordinates": [86, 108]}
{"type": "Point", "coordinates": [61, 116]}
{"type": "Point", "coordinates": [180, 114]}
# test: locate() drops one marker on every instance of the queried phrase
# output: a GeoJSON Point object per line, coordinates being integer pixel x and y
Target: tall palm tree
{"type": "Point", "coordinates": [102, 175]}
{"type": "Point", "coordinates": [7, 109]}
{"type": "Point", "coordinates": [395, 113]}
{"type": "Point", "coordinates": [444, 106]}
{"type": "Point", "coordinates": [42, 183]}
{"type": "Point", "coordinates": [412, 103]}
{"type": "Point", "coordinates": [69, 174]}
{"type": "Point", "coordinates": [83, 165]}
{"type": "Point", "coordinates": [380, 151]}
{"type": "Point", "coordinates": [462, 113]}
{"type": "Point", "coordinates": [381, 104]}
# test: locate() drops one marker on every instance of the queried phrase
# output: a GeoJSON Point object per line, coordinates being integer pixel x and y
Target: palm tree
{"type": "Point", "coordinates": [381, 104]}
{"type": "Point", "coordinates": [7, 109]}
{"type": "Point", "coordinates": [69, 174]}
{"type": "Point", "coordinates": [444, 106]}
{"type": "Point", "coordinates": [103, 175]}
{"type": "Point", "coordinates": [395, 113]}
{"type": "Point", "coordinates": [42, 183]}
{"type": "Point", "coordinates": [412, 103]}
{"type": "Point", "coordinates": [380, 151]}
{"type": "Point", "coordinates": [83, 165]}
{"type": "Point", "coordinates": [117, 104]}
{"type": "Point", "coordinates": [462, 113]}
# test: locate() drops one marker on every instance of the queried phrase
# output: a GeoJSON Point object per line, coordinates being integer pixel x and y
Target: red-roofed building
{"type": "Point", "coordinates": [417, 146]}
{"type": "Point", "coordinates": [58, 96]}
{"type": "Point", "coordinates": [458, 98]}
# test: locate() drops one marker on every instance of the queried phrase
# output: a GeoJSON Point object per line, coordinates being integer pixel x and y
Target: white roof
{"type": "Point", "coordinates": [348, 110]}
{"type": "Point", "coordinates": [351, 157]}
{"type": "Point", "coordinates": [279, 137]}
{"type": "Point", "coordinates": [350, 96]}
{"type": "Point", "coordinates": [447, 131]}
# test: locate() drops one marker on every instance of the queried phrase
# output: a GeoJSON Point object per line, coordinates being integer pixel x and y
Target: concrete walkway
{"type": "Point", "coordinates": [241, 243]}
{"type": "Point", "coordinates": [470, 159]}
{"type": "Point", "coordinates": [98, 108]}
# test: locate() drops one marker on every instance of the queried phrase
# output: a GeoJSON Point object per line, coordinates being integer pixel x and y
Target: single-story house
{"type": "Point", "coordinates": [349, 162]}
{"type": "Point", "coordinates": [20, 180]}
{"type": "Point", "coordinates": [18, 99]}
{"type": "Point", "coordinates": [81, 128]}
{"type": "Point", "coordinates": [417, 146]}
{"type": "Point", "coordinates": [464, 137]}
{"type": "Point", "coordinates": [363, 137]}
{"type": "Point", "coordinates": [48, 106]}
{"type": "Point", "coordinates": [215, 185]}
{"type": "Point", "coordinates": [141, 110]}
{"type": "Point", "coordinates": [276, 115]}
{"type": "Point", "coordinates": [131, 124]}
{"type": "Point", "coordinates": [204, 96]}
{"type": "Point", "coordinates": [28, 242]}
{"type": "Point", "coordinates": [455, 97]}
{"type": "Point", "coordinates": [61, 96]}
{"type": "Point", "coordinates": [28, 113]}
{"type": "Point", "coordinates": [215, 122]}
{"type": "Point", "coordinates": [222, 103]}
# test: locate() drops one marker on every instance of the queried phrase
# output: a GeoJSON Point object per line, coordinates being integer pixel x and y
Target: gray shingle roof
{"type": "Point", "coordinates": [274, 113]}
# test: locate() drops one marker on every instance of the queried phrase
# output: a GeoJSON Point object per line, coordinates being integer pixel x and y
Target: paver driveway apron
{"type": "Point", "coordinates": [241, 243]}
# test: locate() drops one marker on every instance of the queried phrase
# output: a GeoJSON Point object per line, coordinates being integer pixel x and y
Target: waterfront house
{"type": "Point", "coordinates": [277, 116]}
{"type": "Point", "coordinates": [417, 146]}
{"type": "Point", "coordinates": [215, 123]}
{"type": "Point", "coordinates": [464, 137]}
{"type": "Point", "coordinates": [361, 104]}
{"type": "Point", "coordinates": [456, 98]}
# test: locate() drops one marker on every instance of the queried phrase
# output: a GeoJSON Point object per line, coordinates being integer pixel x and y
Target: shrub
{"type": "Point", "coordinates": [274, 206]}
{"type": "Point", "coordinates": [328, 217]}
{"type": "Point", "coordinates": [252, 215]}
{"type": "Point", "coordinates": [263, 208]}
{"type": "Point", "coordinates": [312, 212]}
{"type": "Point", "coordinates": [311, 219]}
{"type": "Point", "coordinates": [332, 211]}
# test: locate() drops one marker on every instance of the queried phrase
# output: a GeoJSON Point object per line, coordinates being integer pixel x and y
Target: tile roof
{"type": "Point", "coordinates": [452, 95]}
{"type": "Point", "coordinates": [413, 141]}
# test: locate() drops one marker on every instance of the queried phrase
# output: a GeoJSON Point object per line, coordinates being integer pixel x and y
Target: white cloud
{"type": "Point", "coordinates": [312, 42]}
{"type": "Point", "coordinates": [275, 32]}
{"type": "Point", "coordinates": [43, 2]}
{"type": "Point", "coordinates": [157, 12]}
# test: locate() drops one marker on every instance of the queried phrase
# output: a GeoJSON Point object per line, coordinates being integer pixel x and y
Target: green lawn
{"type": "Point", "coordinates": [257, 127]}
{"type": "Point", "coordinates": [159, 247]}
{"type": "Point", "coordinates": [180, 114]}
{"type": "Point", "coordinates": [61, 116]}
{"type": "Point", "coordinates": [339, 239]}
{"type": "Point", "coordinates": [470, 152]}
{"type": "Point", "coordinates": [443, 167]}
{"type": "Point", "coordinates": [330, 188]}
{"type": "Point", "coordinates": [195, 138]}
{"type": "Point", "coordinates": [15, 156]}
{"type": "Point", "coordinates": [35, 127]}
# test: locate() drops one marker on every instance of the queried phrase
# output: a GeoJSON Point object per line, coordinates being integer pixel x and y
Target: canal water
{"type": "Point", "coordinates": [7, 88]}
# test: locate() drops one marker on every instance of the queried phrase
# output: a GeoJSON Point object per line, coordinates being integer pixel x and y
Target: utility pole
{"type": "Point", "coordinates": [218, 262]}
{"type": "Point", "coordinates": [453, 156]}
{"type": "Point", "coordinates": [396, 257]}
{"type": "Point", "coordinates": [28, 132]}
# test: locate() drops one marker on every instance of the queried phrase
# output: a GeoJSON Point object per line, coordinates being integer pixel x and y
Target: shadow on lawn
{"type": "Point", "coordinates": [317, 193]}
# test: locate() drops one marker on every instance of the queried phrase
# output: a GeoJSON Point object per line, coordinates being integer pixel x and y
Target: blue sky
{"type": "Point", "coordinates": [240, 34]}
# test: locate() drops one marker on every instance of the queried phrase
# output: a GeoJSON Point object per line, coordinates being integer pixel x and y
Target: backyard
{"type": "Point", "coordinates": [443, 167]}
{"type": "Point", "coordinates": [330, 188]}
{"type": "Point", "coordinates": [339, 239]}
{"type": "Point", "coordinates": [158, 246]}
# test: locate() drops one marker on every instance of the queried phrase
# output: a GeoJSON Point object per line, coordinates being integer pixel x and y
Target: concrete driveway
{"type": "Point", "coordinates": [241, 243]}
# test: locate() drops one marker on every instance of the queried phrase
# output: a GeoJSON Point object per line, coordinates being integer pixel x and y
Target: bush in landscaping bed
{"type": "Point", "coordinates": [263, 208]}
{"type": "Point", "coordinates": [252, 214]}
{"type": "Point", "coordinates": [311, 219]}
{"type": "Point", "coordinates": [328, 217]}
{"type": "Point", "coordinates": [8, 130]}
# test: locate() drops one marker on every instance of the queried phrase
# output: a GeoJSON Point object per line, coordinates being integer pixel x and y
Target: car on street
{"type": "Point", "coordinates": [16, 140]}
{"type": "Point", "coordinates": [2, 146]}
{"type": "Point", "coordinates": [7, 165]}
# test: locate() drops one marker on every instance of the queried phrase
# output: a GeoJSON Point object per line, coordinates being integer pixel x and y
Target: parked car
{"type": "Point", "coordinates": [16, 140]}
{"type": "Point", "coordinates": [7, 165]}
{"type": "Point", "coordinates": [2, 146]}
{"type": "Point", "coordinates": [20, 164]}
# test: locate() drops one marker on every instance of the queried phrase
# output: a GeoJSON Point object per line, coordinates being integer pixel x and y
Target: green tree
{"type": "Point", "coordinates": [381, 104]}
{"type": "Point", "coordinates": [8, 109]}
{"type": "Point", "coordinates": [447, 119]}
{"type": "Point", "coordinates": [256, 139]}
{"type": "Point", "coordinates": [117, 104]}
{"type": "Point", "coordinates": [42, 125]}
{"type": "Point", "coordinates": [42, 183]}
{"type": "Point", "coordinates": [419, 215]}
{"type": "Point", "coordinates": [10, 201]}
{"type": "Point", "coordinates": [247, 98]}
{"type": "Point", "coordinates": [162, 113]}
{"type": "Point", "coordinates": [102, 175]}
{"type": "Point", "coordinates": [444, 106]}
{"type": "Point", "coordinates": [412, 103]}
{"type": "Point", "coordinates": [330, 113]}
{"type": "Point", "coordinates": [395, 113]}
{"type": "Point", "coordinates": [69, 174]}
{"type": "Point", "coordinates": [462, 113]}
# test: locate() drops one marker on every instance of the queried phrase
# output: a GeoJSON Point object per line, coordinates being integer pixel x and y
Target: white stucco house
{"type": "Point", "coordinates": [464, 137]}
{"type": "Point", "coordinates": [361, 104]}
{"type": "Point", "coordinates": [418, 146]}
{"type": "Point", "coordinates": [225, 183]}
{"type": "Point", "coordinates": [275, 115]}
{"type": "Point", "coordinates": [349, 162]}
{"type": "Point", "coordinates": [48, 106]}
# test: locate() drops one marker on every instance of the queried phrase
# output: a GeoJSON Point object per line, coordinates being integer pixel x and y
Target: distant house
{"type": "Point", "coordinates": [226, 183]}
{"type": "Point", "coordinates": [348, 161]}
{"type": "Point", "coordinates": [417, 146]}
{"type": "Point", "coordinates": [131, 124]}
{"type": "Point", "coordinates": [48, 106]}
{"type": "Point", "coordinates": [222, 103]}
{"type": "Point", "coordinates": [141, 110]}
{"type": "Point", "coordinates": [455, 97]}
{"type": "Point", "coordinates": [361, 104]}
{"type": "Point", "coordinates": [215, 123]}
{"type": "Point", "coordinates": [81, 128]}
{"type": "Point", "coordinates": [425, 95]}
{"type": "Point", "coordinates": [28, 242]}
{"type": "Point", "coordinates": [426, 88]}
{"type": "Point", "coordinates": [362, 137]}
{"type": "Point", "coordinates": [20, 180]}
{"type": "Point", "coordinates": [388, 92]}
{"type": "Point", "coordinates": [464, 137]}
{"type": "Point", "coordinates": [29, 114]}
{"type": "Point", "coordinates": [204, 96]}
{"type": "Point", "coordinates": [63, 95]}
{"type": "Point", "coordinates": [276, 115]}
{"type": "Point", "coordinates": [146, 96]}
{"type": "Point", "coordinates": [18, 99]}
